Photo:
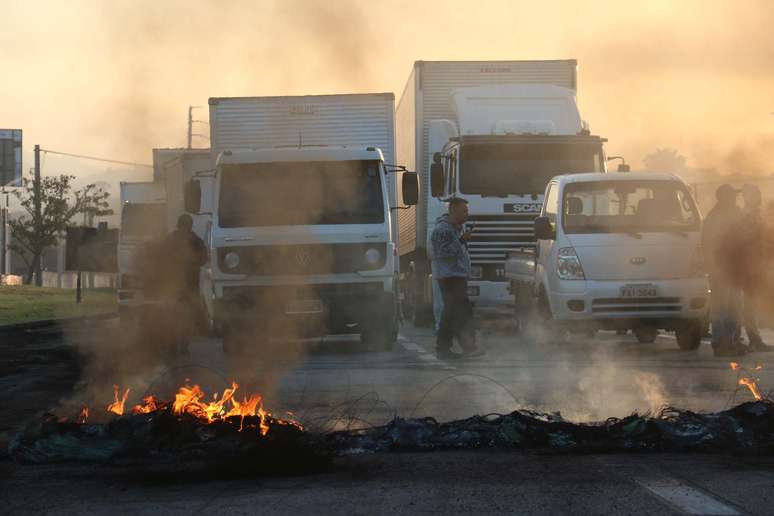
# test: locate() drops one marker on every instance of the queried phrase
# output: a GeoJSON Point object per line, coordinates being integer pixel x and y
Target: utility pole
{"type": "Point", "coordinates": [38, 215]}
{"type": "Point", "coordinates": [190, 125]}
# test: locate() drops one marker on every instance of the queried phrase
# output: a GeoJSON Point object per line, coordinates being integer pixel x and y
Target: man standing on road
{"type": "Point", "coordinates": [451, 263]}
{"type": "Point", "coordinates": [753, 266]}
{"type": "Point", "coordinates": [186, 254]}
{"type": "Point", "coordinates": [719, 235]}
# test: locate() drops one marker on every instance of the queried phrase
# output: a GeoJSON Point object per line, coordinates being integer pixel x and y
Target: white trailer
{"type": "Point", "coordinates": [494, 129]}
{"type": "Point", "coordinates": [302, 229]}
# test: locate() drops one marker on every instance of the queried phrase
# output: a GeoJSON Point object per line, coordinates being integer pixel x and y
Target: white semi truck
{"type": "Point", "coordinates": [149, 210]}
{"type": "Point", "coordinates": [302, 233]}
{"type": "Point", "coordinates": [494, 133]}
{"type": "Point", "coordinates": [143, 219]}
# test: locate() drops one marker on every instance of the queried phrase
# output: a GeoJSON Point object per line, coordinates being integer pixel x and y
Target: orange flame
{"type": "Point", "coordinates": [751, 384]}
{"type": "Point", "coordinates": [734, 366]}
{"type": "Point", "coordinates": [117, 407]}
{"type": "Point", "coordinates": [84, 415]}
{"type": "Point", "coordinates": [188, 400]}
{"type": "Point", "coordinates": [150, 404]}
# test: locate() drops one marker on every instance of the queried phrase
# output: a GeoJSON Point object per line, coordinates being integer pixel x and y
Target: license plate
{"type": "Point", "coordinates": [646, 290]}
{"type": "Point", "coordinates": [304, 306]}
{"type": "Point", "coordinates": [472, 291]}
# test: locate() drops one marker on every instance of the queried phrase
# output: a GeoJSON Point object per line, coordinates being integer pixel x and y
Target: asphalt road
{"type": "Point", "coordinates": [333, 383]}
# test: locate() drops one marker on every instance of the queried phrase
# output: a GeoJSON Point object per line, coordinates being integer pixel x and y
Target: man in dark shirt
{"type": "Point", "coordinates": [719, 243]}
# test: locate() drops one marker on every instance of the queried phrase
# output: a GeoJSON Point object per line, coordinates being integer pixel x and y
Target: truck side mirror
{"type": "Point", "coordinates": [192, 196]}
{"type": "Point", "coordinates": [410, 188]}
{"type": "Point", "coordinates": [543, 229]}
{"type": "Point", "coordinates": [436, 179]}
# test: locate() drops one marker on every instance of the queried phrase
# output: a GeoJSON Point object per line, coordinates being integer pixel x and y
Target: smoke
{"type": "Point", "coordinates": [116, 78]}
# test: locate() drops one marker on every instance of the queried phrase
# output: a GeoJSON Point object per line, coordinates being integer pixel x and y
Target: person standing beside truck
{"type": "Point", "coordinates": [753, 266]}
{"type": "Point", "coordinates": [719, 233]}
{"type": "Point", "coordinates": [451, 263]}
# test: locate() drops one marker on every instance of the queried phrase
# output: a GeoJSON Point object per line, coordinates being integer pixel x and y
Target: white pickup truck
{"type": "Point", "coordinates": [617, 251]}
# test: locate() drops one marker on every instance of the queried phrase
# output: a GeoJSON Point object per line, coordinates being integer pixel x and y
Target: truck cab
{"type": "Point", "coordinates": [618, 251]}
{"type": "Point", "coordinates": [508, 142]}
{"type": "Point", "coordinates": [301, 241]}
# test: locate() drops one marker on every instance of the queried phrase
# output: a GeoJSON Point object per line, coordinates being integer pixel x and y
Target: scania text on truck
{"type": "Point", "coordinates": [617, 251]}
{"type": "Point", "coordinates": [493, 133]}
{"type": "Point", "coordinates": [302, 236]}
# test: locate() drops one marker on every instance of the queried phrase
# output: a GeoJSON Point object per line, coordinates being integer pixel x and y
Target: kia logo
{"type": "Point", "coordinates": [303, 258]}
{"type": "Point", "coordinates": [637, 260]}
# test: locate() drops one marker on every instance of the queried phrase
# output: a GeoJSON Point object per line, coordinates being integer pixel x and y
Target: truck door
{"type": "Point", "coordinates": [545, 247]}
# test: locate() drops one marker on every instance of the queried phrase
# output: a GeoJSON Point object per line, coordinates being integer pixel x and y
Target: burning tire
{"type": "Point", "coordinates": [689, 335]}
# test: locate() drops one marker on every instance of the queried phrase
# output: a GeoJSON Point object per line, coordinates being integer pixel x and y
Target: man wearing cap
{"type": "Point", "coordinates": [719, 242]}
{"type": "Point", "coordinates": [753, 265]}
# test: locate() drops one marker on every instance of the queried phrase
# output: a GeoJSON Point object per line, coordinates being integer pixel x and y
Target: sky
{"type": "Point", "coordinates": [115, 78]}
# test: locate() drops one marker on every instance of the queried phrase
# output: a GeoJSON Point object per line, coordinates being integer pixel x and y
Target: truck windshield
{"type": "Point", "coordinates": [143, 221]}
{"type": "Point", "coordinates": [501, 169]}
{"type": "Point", "coordinates": [301, 193]}
{"type": "Point", "coordinates": [628, 207]}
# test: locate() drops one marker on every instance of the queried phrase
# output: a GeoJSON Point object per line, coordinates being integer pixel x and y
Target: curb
{"type": "Point", "coordinates": [35, 325]}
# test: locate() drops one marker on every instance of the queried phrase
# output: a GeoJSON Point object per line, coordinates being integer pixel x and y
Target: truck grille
{"type": "Point", "coordinates": [624, 305]}
{"type": "Point", "coordinates": [496, 235]}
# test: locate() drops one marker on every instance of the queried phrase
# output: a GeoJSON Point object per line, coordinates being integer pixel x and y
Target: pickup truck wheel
{"type": "Point", "coordinates": [689, 335]}
{"type": "Point", "coordinates": [646, 335]}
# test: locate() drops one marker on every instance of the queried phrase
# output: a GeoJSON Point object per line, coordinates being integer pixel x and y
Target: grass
{"type": "Point", "coordinates": [19, 304]}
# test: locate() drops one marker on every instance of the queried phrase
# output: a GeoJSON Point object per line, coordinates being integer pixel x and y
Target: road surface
{"type": "Point", "coordinates": [333, 383]}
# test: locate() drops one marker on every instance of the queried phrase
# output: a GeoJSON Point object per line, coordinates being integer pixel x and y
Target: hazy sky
{"type": "Point", "coordinates": [114, 78]}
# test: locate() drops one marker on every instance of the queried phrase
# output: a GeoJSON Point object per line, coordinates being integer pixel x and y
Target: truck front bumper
{"type": "Point", "coordinates": [603, 304]}
{"type": "Point", "coordinates": [304, 309]}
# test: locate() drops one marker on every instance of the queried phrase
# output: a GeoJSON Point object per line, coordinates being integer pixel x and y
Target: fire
{"type": "Point", "coordinates": [149, 404]}
{"type": "Point", "coordinates": [748, 381]}
{"type": "Point", "coordinates": [753, 386]}
{"type": "Point", "coordinates": [188, 400]}
{"type": "Point", "coordinates": [117, 407]}
{"type": "Point", "coordinates": [84, 415]}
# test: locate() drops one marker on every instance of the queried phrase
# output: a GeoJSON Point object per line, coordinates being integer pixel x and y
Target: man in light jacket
{"type": "Point", "coordinates": [451, 264]}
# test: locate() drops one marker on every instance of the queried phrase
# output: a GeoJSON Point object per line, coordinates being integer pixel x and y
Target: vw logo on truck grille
{"type": "Point", "coordinates": [637, 260]}
{"type": "Point", "coordinates": [303, 259]}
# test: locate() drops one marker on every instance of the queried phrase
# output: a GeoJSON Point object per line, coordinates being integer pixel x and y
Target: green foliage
{"type": "Point", "coordinates": [58, 206]}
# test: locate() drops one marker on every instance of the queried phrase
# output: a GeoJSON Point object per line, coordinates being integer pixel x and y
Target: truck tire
{"type": "Point", "coordinates": [689, 335]}
{"type": "Point", "coordinates": [540, 326]}
{"type": "Point", "coordinates": [645, 334]}
{"type": "Point", "coordinates": [380, 336]}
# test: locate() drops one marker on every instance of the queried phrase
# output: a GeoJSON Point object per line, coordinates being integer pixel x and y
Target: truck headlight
{"type": "Point", "coordinates": [231, 260]}
{"type": "Point", "coordinates": [568, 266]}
{"type": "Point", "coordinates": [373, 257]}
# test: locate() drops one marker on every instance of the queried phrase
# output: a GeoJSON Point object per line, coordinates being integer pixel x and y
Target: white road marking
{"type": "Point", "coordinates": [423, 354]}
{"type": "Point", "coordinates": [685, 498]}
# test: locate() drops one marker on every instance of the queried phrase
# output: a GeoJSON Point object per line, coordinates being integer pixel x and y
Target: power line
{"type": "Point", "coordinates": [130, 163]}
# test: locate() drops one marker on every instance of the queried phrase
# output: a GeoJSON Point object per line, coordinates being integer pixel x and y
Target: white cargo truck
{"type": "Point", "coordinates": [494, 133]}
{"type": "Point", "coordinates": [302, 236]}
{"type": "Point", "coordinates": [143, 219]}
{"type": "Point", "coordinates": [149, 211]}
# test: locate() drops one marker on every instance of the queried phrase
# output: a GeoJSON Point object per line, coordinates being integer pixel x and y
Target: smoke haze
{"type": "Point", "coordinates": [116, 78]}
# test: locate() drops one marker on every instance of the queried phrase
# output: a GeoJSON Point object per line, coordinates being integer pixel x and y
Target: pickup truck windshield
{"type": "Point", "coordinates": [507, 168]}
{"type": "Point", "coordinates": [143, 221]}
{"type": "Point", "coordinates": [301, 193]}
{"type": "Point", "coordinates": [628, 207]}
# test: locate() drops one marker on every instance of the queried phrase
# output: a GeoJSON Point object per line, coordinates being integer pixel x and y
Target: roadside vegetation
{"type": "Point", "coordinates": [25, 303]}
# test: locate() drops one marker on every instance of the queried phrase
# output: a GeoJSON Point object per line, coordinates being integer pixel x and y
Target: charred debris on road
{"type": "Point", "coordinates": [162, 435]}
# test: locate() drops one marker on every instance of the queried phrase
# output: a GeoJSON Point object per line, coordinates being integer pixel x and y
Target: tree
{"type": "Point", "coordinates": [665, 160]}
{"type": "Point", "coordinates": [58, 205]}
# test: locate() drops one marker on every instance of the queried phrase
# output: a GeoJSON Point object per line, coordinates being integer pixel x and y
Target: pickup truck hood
{"type": "Point", "coordinates": [625, 257]}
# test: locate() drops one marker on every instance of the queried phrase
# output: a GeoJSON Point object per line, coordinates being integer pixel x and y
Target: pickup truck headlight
{"type": "Point", "coordinates": [373, 257]}
{"type": "Point", "coordinates": [231, 260]}
{"type": "Point", "coordinates": [568, 266]}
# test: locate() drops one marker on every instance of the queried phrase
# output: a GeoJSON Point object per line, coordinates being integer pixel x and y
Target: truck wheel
{"type": "Point", "coordinates": [375, 340]}
{"type": "Point", "coordinates": [541, 325]}
{"type": "Point", "coordinates": [689, 335]}
{"type": "Point", "coordinates": [645, 334]}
